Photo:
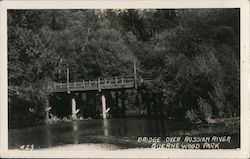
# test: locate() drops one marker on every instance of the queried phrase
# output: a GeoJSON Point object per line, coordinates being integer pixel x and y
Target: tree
{"type": "Point", "coordinates": [192, 55]}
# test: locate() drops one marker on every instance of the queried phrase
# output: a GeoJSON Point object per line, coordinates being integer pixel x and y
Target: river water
{"type": "Point", "coordinates": [123, 133]}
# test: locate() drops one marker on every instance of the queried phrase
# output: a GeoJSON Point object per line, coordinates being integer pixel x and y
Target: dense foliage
{"type": "Point", "coordinates": [192, 55]}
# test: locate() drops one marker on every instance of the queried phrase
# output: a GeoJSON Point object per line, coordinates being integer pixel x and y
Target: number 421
{"type": "Point", "coordinates": [27, 147]}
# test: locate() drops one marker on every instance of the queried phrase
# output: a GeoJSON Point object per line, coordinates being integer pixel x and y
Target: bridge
{"type": "Point", "coordinates": [98, 85]}
{"type": "Point", "coordinates": [127, 82]}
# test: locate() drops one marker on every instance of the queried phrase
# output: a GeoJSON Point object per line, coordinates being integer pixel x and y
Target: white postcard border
{"type": "Point", "coordinates": [243, 152]}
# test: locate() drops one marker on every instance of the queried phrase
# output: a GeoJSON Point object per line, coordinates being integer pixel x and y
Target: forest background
{"type": "Point", "coordinates": [192, 55]}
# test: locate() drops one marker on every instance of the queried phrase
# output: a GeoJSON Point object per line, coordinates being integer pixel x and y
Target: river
{"type": "Point", "coordinates": [121, 133]}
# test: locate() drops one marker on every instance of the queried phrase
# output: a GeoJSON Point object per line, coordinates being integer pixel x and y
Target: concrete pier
{"type": "Point", "coordinates": [73, 108]}
{"type": "Point", "coordinates": [104, 116]}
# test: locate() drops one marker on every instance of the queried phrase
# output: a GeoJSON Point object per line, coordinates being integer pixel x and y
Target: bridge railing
{"type": "Point", "coordinates": [96, 83]}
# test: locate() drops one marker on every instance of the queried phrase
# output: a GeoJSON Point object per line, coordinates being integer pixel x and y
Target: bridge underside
{"type": "Point", "coordinates": [94, 104]}
{"type": "Point", "coordinates": [98, 86]}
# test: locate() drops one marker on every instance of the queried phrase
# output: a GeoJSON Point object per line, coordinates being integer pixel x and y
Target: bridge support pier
{"type": "Point", "coordinates": [103, 106]}
{"type": "Point", "coordinates": [73, 108]}
{"type": "Point", "coordinates": [123, 104]}
{"type": "Point", "coordinates": [93, 108]}
{"type": "Point", "coordinates": [117, 99]}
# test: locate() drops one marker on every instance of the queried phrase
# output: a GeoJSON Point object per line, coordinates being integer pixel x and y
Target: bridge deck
{"type": "Point", "coordinates": [96, 85]}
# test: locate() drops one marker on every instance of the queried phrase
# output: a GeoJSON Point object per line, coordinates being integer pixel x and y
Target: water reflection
{"type": "Point", "coordinates": [99, 131]}
{"type": "Point", "coordinates": [48, 137]}
{"type": "Point", "coordinates": [75, 133]}
{"type": "Point", "coordinates": [105, 127]}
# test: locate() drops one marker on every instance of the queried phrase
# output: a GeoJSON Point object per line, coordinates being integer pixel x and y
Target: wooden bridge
{"type": "Point", "coordinates": [127, 82]}
{"type": "Point", "coordinates": [98, 84]}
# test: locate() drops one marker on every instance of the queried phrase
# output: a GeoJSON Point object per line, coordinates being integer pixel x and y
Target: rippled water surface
{"type": "Point", "coordinates": [119, 132]}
